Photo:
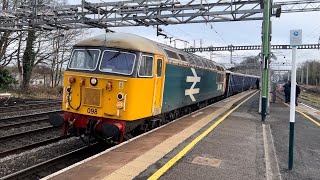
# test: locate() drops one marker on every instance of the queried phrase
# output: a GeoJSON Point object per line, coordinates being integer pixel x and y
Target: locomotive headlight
{"type": "Point", "coordinates": [119, 105]}
{"type": "Point", "coordinates": [120, 96]}
{"type": "Point", "coordinates": [109, 86]}
{"type": "Point", "coordinates": [93, 81]}
{"type": "Point", "coordinates": [72, 79]}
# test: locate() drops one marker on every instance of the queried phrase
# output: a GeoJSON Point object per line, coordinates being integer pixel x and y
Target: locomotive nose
{"type": "Point", "coordinates": [56, 120]}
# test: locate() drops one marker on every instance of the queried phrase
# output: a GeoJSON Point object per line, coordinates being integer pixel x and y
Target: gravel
{"type": "Point", "coordinates": [28, 139]}
{"type": "Point", "coordinates": [18, 101]}
{"type": "Point", "coordinates": [30, 111]}
{"type": "Point", "coordinates": [13, 163]}
{"type": "Point", "coordinates": [23, 128]}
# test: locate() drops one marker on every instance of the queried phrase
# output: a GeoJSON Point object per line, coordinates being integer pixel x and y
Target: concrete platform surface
{"type": "Point", "coordinates": [306, 141]}
{"type": "Point", "coordinates": [243, 147]}
{"type": "Point", "coordinates": [234, 150]}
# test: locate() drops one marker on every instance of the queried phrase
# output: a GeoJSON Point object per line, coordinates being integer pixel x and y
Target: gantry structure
{"type": "Point", "coordinates": [142, 13]}
{"type": "Point", "coordinates": [251, 47]}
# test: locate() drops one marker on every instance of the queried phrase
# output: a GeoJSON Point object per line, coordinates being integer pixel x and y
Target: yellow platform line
{"type": "Point", "coordinates": [305, 115]}
{"type": "Point", "coordinates": [186, 149]}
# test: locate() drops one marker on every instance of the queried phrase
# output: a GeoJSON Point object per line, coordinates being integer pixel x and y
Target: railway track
{"type": "Point", "coordinates": [301, 99]}
{"type": "Point", "coordinates": [25, 132]}
{"type": "Point", "coordinates": [45, 168]}
{"type": "Point", "coordinates": [27, 119]}
{"type": "Point", "coordinates": [28, 106]}
{"type": "Point", "coordinates": [15, 143]}
{"type": "Point", "coordinates": [19, 125]}
{"type": "Point", "coordinates": [29, 147]}
{"type": "Point", "coordinates": [17, 138]}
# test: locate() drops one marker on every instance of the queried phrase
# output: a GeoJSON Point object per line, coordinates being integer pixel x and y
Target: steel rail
{"type": "Point", "coordinates": [48, 166]}
{"type": "Point", "coordinates": [27, 123]}
{"type": "Point", "coordinates": [11, 108]}
{"type": "Point", "coordinates": [15, 102]}
{"type": "Point", "coordinates": [29, 146]}
{"type": "Point", "coordinates": [31, 132]}
{"type": "Point", "coordinates": [302, 99]}
{"type": "Point", "coordinates": [29, 115]}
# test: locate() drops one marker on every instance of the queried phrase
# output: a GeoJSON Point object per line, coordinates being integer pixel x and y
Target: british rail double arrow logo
{"type": "Point", "coordinates": [194, 79]}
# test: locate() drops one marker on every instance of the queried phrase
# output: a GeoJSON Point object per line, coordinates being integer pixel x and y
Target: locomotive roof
{"type": "Point", "coordinates": [123, 41]}
{"type": "Point", "coordinates": [138, 43]}
{"type": "Point", "coordinates": [249, 75]}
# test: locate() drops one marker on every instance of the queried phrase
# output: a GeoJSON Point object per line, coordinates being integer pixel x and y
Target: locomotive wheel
{"type": "Point", "coordinates": [145, 127]}
{"type": "Point", "coordinates": [176, 114]}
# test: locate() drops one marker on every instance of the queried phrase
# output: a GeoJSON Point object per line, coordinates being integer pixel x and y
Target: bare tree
{"type": "Point", "coordinates": [32, 48]}
{"type": "Point", "coordinates": [309, 72]}
{"type": "Point", "coordinates": [250, 65]}
{"type": "Point", "coordinates": [62, 45]}
{"type": "Point", "coordinates": [7, 38]}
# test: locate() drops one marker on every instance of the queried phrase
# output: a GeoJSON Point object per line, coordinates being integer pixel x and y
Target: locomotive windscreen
{"type": "Point", "coordinates": [117, 62]}
{"type": "Point", "coordinates": [84, 59]}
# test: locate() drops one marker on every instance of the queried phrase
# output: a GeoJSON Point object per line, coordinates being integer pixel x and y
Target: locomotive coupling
{"type": "Point", "coordinates": [56, 120]}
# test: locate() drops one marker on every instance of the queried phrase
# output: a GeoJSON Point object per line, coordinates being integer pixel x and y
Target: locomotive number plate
{"type": "Point", "coordinates": [92, 111]}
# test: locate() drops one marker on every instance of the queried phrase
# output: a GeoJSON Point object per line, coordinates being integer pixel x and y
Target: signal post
{"type": "Point", "coordinates": [265, 58]}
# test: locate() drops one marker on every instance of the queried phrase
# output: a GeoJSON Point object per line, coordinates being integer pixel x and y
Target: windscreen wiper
{"type": "Point", "coordinates": [88, 51]}
{"type": "Point", "coordinates": [114, 56]}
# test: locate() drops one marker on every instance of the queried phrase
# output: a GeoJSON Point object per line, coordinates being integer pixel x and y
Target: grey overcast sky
{"type": "Point", "coordinates": [236, 33]}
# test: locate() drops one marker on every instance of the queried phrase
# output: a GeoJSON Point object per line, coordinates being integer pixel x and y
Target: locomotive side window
{"type": "Point", "coordinates": [212, 65]}
{"type": "Point", "coordinates": [84, 59]}
{"type": "Point", "coordinates": [159, 67]}
{"type": "Point", "coordinates": [172, 54]}
{"type": "Point", "coordinates": [220, 77]}
{"type": "Point", "coordinates": [146, 66]}
{"type": "Point", "coordinates": [190, 59]}
{"type": "Point", "coordinates": [117, 62]}
{"type": "Point", "coordinates": [183, 58]}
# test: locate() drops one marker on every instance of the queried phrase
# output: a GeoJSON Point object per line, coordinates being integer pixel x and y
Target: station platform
{"type": "Point", "coordinates": [226, 140]}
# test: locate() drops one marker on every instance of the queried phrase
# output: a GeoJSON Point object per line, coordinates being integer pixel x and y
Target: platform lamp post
{"type": "Point", "coordinates": [265, 57]}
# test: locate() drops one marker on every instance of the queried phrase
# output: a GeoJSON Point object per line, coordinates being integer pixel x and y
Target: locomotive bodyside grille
{"type": "Point", "coordinates": [92, 97]}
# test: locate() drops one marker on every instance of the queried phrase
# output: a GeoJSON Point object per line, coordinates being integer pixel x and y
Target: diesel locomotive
{"type": "Point", "coordinates": [118, 83]}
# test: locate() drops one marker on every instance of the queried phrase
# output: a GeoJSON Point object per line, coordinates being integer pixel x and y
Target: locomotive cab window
{"type": "Point", "coordinates": [84, 59]}
{"type": "Point", "coordinates": [183, 58]}
{"type": "Point", "coordinates": [172, 54]}
{"type": "Point", "coordinates": [146, 66]}
{"type": "Point", "coordinates": [117, 62]}
{"type": "Point", "coordinates": [159, 67]}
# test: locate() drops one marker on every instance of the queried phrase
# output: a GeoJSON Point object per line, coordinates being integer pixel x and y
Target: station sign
{"type": "Point", "coordinates": [295, 37]}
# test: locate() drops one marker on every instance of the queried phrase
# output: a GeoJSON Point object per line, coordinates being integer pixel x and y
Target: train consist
{"type": "Point", "coordinates": [117, 84]}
